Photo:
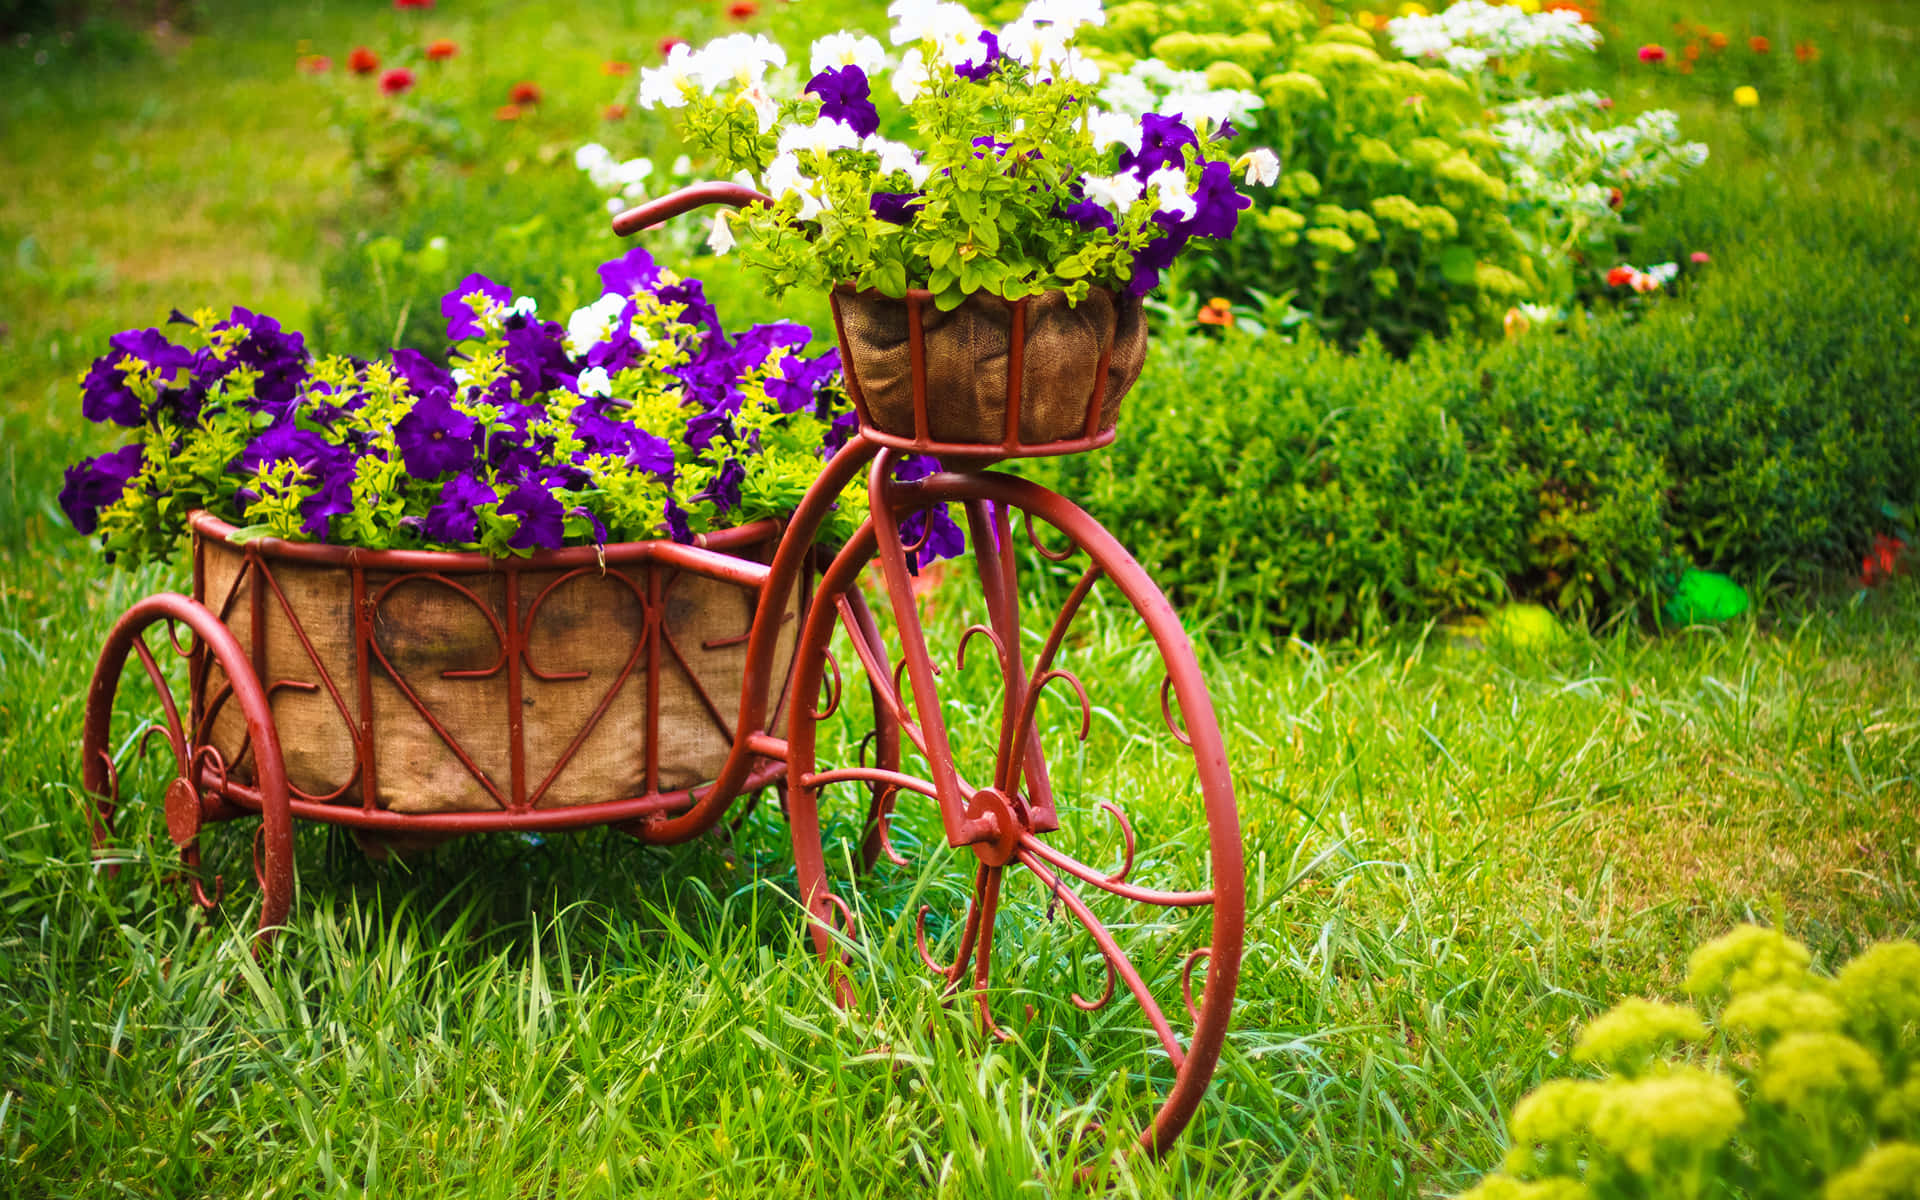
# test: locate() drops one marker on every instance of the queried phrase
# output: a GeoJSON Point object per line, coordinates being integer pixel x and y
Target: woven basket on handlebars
{"type": "Point", "coordinates": [1072, 365]}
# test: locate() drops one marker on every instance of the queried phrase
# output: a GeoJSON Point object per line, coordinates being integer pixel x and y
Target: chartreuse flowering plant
{"type": "Point", "coordinates": [1781, 1084]}
{"type": "Point", "coordinates": [638, 418]}
{"type": "Point", "coordinates": [1019, 182]}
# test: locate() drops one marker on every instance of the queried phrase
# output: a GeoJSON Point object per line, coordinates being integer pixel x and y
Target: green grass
{"type": "Point", "coordinates": [1455, 852]}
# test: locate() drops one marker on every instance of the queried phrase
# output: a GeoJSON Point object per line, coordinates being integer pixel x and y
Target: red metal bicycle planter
{"type": "Point", "coordinates": [977, 721]}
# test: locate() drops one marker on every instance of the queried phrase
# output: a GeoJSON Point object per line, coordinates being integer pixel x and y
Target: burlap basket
{"type": "Point", "coordinates": [415, 700]}
{"type": "Point", "coordinates": [1075, 364]}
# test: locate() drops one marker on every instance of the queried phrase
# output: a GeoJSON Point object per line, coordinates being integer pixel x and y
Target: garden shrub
{"type": "Point", "coordinates": [1782, 1083]}
{"type": "Point", "coordinates": [1763, 425]}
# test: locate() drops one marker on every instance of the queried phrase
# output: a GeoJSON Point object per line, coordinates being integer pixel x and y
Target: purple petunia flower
{"type": "Point", "coordinates": [455, 519]}
{"type": "Point", "coordinates": [279, 356]}
{"type": "Point", "coordinates": [675, 519]}
{"type": "Point", "coordinates": [845, 97]}
{"type": "Point", "coordinates": [839, 433]}
{"type": "Point", "coordinates": [1090, 214]}
{"type": "Point", "coordinates": [987, 141]}
{"type": "Point", "coordinates": [461, 322]}
{"type": "Point", "coordinates": [287, 442]}
{"type": "Point", "coordinates": [542, 519]}
{"type": "Point", "coordinates": [334, 497]}
{"type": "Point", "coordinates": [105, 395]}
{"type": "Point", "coordinates": [752, 347]}
{"type": "Point", "coordinates": [896, 207]}
{"type": "Point", "coordinates": [435, 437]}
{"type": "Point", "coordinates": [798, 383]}
{"type": "Point", "coordinates": [704, 427]}
{"type": "Point", "coordinates": [946, 540]}
{"type": "Point", "coordinates": [97, 483]}
{"type": "Point", "coordinates": [624, 440]}
{"type": "Point", "coordinates": [980, 71]}
{"type": "Point", "coordinates": [1217, 203]}
{"type": "Point", "coordinates": [424, 376]}
{"type": "Point", "coordinates": [724, 489]}
{"type": "Point", "coordinates": [536, 355]}
{"type": "Point", "coordinates": [634, 271]}
{"type": "Point", "coordinates": [1163, 142]}
{"type": "Point", "coordinates": [699, 312]}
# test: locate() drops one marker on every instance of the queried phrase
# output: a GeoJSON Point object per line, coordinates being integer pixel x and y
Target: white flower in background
{"type": "Point", "coordinates": [1262, 166]}
{"type": "Point", "coordinates": [897, 156]}
{"type": "Point", "coordinates": [744, 178]}
{"type": "Point", "coordinates": [845, 49]}
{"type": "Point", "coordinates": [1112, 128]}
{"type": "Point", "coordinates": [1540, 314]}
{"type": "Point", "coordinates": [591, 155]}
{"type": "Point", "coordinates": [1068, 14]}
{"type": "Point", "coordinates": [1169, 185]}
{"type": "Point", "coordinates": [720, 239]}
{"type": "Point", "coordinates": [1150, 86]}
{"type": "Point", "coordinates": [594, 382]}
{"type": "Point", "coordinates": [1046, 52]}
{"type": "Point", "coordinates": [910, 77]}
{"type": "Point", "coordinates": [821, 137]}
{"type": "Point", "coordinates": [1663, 273]}
{"type": "Point", "coordinates": [1213, 109]}
{"type": "Point", "coordinates": [1117, 193]}
{"type": "Point", "coordinates": [667, 85]}
{"type": "Point", "coordinates": [1466, 35]}
{"type": "Point", "coordinates": [592, 325]}
{"type": "Point", "coordinates": [682, 166]}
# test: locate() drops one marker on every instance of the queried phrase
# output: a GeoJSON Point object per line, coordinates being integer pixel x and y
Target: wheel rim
{"type": "Point", "coordinates": [1044, 797]}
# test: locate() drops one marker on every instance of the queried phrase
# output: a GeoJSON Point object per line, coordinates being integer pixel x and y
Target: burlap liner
{"type": "Point", "coordinates": [967, 358]}
{"type": "Point", "coordinates": [426, 626]}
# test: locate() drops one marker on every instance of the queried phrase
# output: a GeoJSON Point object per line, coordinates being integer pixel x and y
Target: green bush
{"type": "Point", "coordinates": [1761, 425]}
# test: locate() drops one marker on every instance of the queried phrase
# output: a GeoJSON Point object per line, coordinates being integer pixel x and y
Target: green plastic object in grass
{"type": "Point", "coordinates": [1526, 627]}
{"type": "Point", "coordinates": [1705, 596]}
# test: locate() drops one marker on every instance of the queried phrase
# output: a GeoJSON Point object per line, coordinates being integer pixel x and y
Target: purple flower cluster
{"type": "Point", "coordinates": [846, 97]}
{"type": "Point", "coordinates": [1166, 142]}
{"type": "Point", "coordinates": [523, 451]}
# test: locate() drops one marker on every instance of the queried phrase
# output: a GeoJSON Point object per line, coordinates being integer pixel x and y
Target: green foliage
{"type": "Point", "coordinates": [1392, 215]}
{"type": "Point", "coordinates": [1775, 1103]}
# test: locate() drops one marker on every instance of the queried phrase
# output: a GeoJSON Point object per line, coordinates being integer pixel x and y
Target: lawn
{"type": "Point", "coordinates": [1458, 847]}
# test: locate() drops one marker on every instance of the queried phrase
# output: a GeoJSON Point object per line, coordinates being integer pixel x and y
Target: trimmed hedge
{"type": "Point", "coordinates": [1757, 426]}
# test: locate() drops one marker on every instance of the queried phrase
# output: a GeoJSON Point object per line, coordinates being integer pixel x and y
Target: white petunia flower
{"type": "Point", "coordinates": [523, 306]}
{"type": "Point", "coordinates": [910, 77]}
{"type": "Point", "coordinates": [845, 49]}
{"type": "Point", "coordinates": [594, 381]}
{"type": "Point", "coordinates": [1112, 128]}
{"type": "Point", "coordinates": [821, 137]}
{"type": "Point", "coordinates": [594, 324]}
{"type": "Point", "coordinates": [720, 238]}
{"type": "Point", "coordinates": [666, 86]}
{"type": "Point", "coordinates": [1169, 185]}
{"type": "Point", "coordinates": [764, 109]}
{"type": "Point", "coordinates": [682, 166]}
{"type": "Point", "coordinates": [1262, 167]}
{"type": "Point", "coordinates": [784, 178]}
{"type": "Point", "coordinates": [949, 26]}
{"type": "Point", "coordinates": [1114, 192]}
{"type": "Point", "coordinates": [591, 155]}
{"type": "Point", "coordinates": [897, 156]}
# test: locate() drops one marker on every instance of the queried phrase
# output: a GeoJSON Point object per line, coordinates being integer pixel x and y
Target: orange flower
{"type": "Point", "coordinates": [1806, 52]}
{"type": "Point", "coordinates": [441, 50]}
{"type": "Point", "coordinates": [1686, 68]}
{"type": "Point", "coordinates": [1217, 312]}
{"type": "Point", "coordinates": [1587, 15]}
{"type": "Point", "coordinates": [1717, 42]}
{"type": "Point", "coordinates": [1759, 45]}
{"type": "Point", "coordinates": [524, 93]}
{"type": "Point", "coordinates": [616, 67]}
{"type": "Point", "coordinates": [1692, 52]}
{"type": "Point", "coordinates": [742, 10]}
{"type": "Point", "coordinates": [363, 61]}
{"type": "Point", "coordinates": [507, 112]}
{"type": "Point", "coordinates": [1883, 562]}
{"type": "Point", "coordinates": [613, 112]}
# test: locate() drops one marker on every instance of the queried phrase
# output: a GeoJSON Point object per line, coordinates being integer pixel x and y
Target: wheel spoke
{"type": "Point", "coordinates": [1117, 960]}
{"type": "Point", "coordinates": [1107, 883]}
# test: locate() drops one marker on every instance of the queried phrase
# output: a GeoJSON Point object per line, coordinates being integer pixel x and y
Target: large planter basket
{"type": "Point", "coordinates": [444, 683]}
{"type": "Point", "coordinates": [1004, 377]}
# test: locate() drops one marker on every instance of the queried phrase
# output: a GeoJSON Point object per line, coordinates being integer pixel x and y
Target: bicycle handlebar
{"type": "Point", "coordinates": [673, 204]}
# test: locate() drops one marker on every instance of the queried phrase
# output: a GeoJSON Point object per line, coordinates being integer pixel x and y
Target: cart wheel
{"type": "Point", "coordinates": [185, 632]}
{"type": "Point", "coordinates": [1060, 782]}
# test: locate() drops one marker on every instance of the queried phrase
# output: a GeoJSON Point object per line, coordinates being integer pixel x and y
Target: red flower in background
{"type": "Point", "coordinates": [396, 81]}
{"type": "Point", "coordinates": [363, 61]}
{"type": "Point", "coordinates": [1620, 276]}
{"type": "Point", "coordinates": [742, 10]}
{"type": "Point", "coordinates": [316, 64]}
{"type": "Point", "coordinates": [1759, 45]}
{"type": "Point", "coordinates": [616, 67]}
{"type": "Point", "coordinates": [413, 3]}
{"type": "Point", "coordinates": [613, 112]}
{"type": "Point", "coordinates": [1615, 197]}
{"type": "Point", "coordinates": [441, 50]}
{"type": "Point", "coordinates": [524, 92]}
{"type": "Point", "coordinates": [507, 112]}
{"type": "Point", "coordinates": [1216, 312]}
{"type": "Point", "coordinates": [1653, 54]}
{"type": "Point", "coordinates": [668, 43]}
{"type": "Point", "coordinates": [1700, 258]}
{"type": "Point", "coordinates": [1806, 52]}
{"type": "Point", "coordinates": [1883, 561]}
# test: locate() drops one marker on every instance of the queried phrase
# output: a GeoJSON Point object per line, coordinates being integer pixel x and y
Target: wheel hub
{"type": "Point", "coordinates": [1003, 819]}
